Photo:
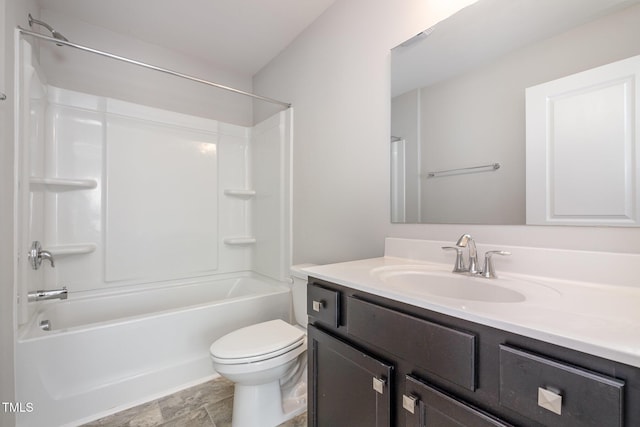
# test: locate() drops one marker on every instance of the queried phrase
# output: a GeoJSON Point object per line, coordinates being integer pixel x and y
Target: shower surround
{"type": "Point", "coordinates": [168, 231]}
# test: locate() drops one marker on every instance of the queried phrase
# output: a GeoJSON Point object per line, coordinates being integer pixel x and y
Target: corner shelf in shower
{"type": "Point", "coordinates": [242, 194]}
{"type": "Point", "coordinates": [57, 185]}
{"type": "Point", "coordinates": [75, 249]}
{"type": "Point", "coordinates": [237, 241]}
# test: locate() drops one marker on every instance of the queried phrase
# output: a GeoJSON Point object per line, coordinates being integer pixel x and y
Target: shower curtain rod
{"type": "Point", "coordinates": [152, 67]}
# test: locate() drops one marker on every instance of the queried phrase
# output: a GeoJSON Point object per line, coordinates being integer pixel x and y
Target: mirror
{"type": "Point", "coordinates": [458, 100]}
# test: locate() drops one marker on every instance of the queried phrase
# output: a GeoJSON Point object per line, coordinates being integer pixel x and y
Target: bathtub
{"type": "Point", "coordinates": [107, 352]}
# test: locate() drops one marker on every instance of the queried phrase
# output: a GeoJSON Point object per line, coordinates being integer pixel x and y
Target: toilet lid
{"type": "Point", "coordinates": [263, 340]}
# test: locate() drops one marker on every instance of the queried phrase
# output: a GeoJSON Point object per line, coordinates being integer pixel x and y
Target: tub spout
{"type": "Point", "coordinates": [42, 295]}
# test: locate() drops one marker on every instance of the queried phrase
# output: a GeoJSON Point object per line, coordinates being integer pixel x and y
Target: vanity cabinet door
{"type": "Point", "coordinates": [425, 406]}
{"type": "Point", "coordinates": [347, 387]}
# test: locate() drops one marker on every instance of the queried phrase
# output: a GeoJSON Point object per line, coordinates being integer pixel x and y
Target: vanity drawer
{"type": "Point", "coordinates": [557, 394]}
{"type": "Point", "coordinates": [323, 305]}
{"type": "Point", "coordinates": [453, 358]}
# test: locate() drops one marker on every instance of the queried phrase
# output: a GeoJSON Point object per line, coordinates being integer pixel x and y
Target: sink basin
{"type": "Point", "coordinates": [425, 281]}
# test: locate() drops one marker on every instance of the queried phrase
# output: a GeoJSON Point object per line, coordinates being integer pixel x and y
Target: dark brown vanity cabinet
{"type": "Point", "coordinates": [350, 387]}
{"type": "Point", "coordinates": [379, 362]}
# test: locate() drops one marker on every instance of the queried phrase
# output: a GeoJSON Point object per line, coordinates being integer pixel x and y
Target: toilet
{"type": "Point", "coordinates": [268, 364]}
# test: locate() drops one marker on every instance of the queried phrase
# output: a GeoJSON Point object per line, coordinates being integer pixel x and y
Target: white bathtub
{"type": "Point", "coordinates": [106, 353]}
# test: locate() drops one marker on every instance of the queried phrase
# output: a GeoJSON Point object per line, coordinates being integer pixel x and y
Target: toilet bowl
{"type": "Point", "coordinates": [268, 364]}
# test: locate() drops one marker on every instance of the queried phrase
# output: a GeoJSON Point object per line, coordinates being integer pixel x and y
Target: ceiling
{"type": "Point", "coordinates": [242, 35]}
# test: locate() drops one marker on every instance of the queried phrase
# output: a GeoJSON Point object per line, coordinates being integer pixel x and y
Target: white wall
{"type": "Point", "coordinates": [336, 74]}
{"type": "Point", "coordinates": [6, 221]}
{"type": "Point", "coordinates": [12, 13]}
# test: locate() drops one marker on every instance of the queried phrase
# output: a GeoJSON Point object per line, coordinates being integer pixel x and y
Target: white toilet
{"type": "Point", "coordinates": [268, 364]}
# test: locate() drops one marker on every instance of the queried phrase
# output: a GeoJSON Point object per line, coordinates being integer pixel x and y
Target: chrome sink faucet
{"type": "Point", "coordinates": [466, 241]}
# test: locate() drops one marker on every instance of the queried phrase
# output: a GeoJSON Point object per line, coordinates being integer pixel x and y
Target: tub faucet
{"type": "Point", "coordinates": [467, 241]}
{"type": "Point", "coordinates": [37, 255]}
{"type": "Point", "coordinates": [42, 295]}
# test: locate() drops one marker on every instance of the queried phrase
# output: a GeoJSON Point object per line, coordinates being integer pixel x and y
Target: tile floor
{"type": "Point", "coordinates": [205, 405]}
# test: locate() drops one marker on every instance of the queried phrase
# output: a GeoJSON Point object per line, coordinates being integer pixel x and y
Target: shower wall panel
{"type": "Point", "coordinates": [31, 162]}
{"type": "Point", "coordinates": [73, 150]}
{"type": "Point", "coordinates": [150, 205]}
{"type": "Point", "coordinates": [234, 213]}
{"type": "Point", "coordinates": [161, 200]}
{"type": "Point", "coordinates": [270, 166]}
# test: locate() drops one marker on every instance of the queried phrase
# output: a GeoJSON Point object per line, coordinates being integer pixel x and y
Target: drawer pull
{"type": "Point", "coordinates": [409, 403]}
{"type": "Point", "coordinates": [317, 305]}
{"type": "Point", "coordinates": [550, 400]}
{"type": "Point", "coordinates": [378, 385]}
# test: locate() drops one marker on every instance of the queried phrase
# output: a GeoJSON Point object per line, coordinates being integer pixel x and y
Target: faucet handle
{"type": "Point", "coordinates": [459, 266]}
{"type": "Point", "coordinates": [37, 255]}
{"type": "Point", "coordinates": [488, 271]}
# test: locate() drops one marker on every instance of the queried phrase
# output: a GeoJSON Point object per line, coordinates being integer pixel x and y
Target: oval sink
{"type": "Point", "coordinates": [437, 280]}
{"type": "Point", "coordinates": [422, 283]}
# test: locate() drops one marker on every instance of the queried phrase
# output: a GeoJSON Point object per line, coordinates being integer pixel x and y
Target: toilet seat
{"type": "Point", "coordinates": [257, 343]}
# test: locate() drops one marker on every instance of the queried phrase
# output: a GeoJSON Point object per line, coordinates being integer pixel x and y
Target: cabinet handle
{"type": "Point", "coordinates": [378, 385]}
{"type": "Point", "coordinates": [409, 403]}
{"type": "Point", "coordinates": [550, 399]}
{"type": "Point", "coordinates": [317, 305]}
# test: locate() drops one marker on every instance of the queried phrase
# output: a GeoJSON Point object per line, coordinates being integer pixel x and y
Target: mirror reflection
{"type": "Point", "coordinates": [458, 126]}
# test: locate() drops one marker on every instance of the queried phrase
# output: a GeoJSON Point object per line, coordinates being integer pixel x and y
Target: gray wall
{"type": "Point", "coordinates": [75, 70]}
{"type": "Point", "coordinates": [336, 74]}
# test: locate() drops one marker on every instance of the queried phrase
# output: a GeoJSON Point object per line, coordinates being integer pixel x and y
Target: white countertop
{"type": "Point", "coordinates": [603, 320]}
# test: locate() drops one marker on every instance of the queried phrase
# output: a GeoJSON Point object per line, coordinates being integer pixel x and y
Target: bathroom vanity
{"type": "Point", "coordinates": [386, 348]}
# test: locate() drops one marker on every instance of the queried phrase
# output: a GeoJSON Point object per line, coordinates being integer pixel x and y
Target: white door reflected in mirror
{"type": "Point", "coordinates": [581, 144]}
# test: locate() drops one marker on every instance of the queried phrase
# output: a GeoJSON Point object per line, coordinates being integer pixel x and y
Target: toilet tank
{"type": "Point", "coordinates": [299, 291]}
